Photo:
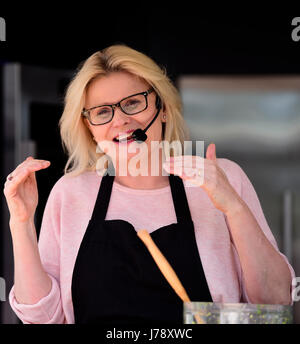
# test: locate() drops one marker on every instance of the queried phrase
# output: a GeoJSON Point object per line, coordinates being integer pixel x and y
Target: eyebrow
{"type": "Point", "coordinates": [106, 104]}
{"type": "Point", "coordinates": [133, 94]}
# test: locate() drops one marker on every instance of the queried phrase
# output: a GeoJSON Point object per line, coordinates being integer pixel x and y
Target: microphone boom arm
{"type": "Point", "coordinates": [140, 135]}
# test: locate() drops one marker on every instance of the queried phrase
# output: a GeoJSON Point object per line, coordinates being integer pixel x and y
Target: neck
{"type": "Point", "coordinates": [143, 182]}
{"type": "Point", "coordinates": [145, 179]}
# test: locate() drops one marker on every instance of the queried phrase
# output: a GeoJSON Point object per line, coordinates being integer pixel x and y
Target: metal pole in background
{"type": "Point", "coordinates": [11, 123]}
{"type": "Point", "coordinates": [23, 86]}
{"type": "Point", "coordinates": [288, 224]}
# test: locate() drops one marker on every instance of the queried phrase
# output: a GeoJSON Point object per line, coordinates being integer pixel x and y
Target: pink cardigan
{"type": "Point", "coordinates": [69, 208]}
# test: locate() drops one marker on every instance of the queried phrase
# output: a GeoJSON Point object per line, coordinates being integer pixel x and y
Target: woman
{"type": "Point", "coordinates": [89, 264]}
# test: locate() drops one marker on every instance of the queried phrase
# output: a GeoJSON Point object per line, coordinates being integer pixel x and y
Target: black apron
{"type": "Point", "coordinates": [115, 279]}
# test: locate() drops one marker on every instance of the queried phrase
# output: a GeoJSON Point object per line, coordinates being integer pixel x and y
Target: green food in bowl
{"type": "Point", "coordinates": [237, 313]}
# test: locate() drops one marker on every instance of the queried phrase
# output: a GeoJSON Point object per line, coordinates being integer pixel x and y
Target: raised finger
{"type": "Point", "coordinates": [28, 163]}
{"type": "Point", "coordinates": [11, 186]}
{"type": "Point", "coordinates": [20, 175]}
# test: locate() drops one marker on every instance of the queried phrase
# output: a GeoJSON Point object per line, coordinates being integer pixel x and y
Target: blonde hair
{"type": "Point", "coordinates": [76, 138]}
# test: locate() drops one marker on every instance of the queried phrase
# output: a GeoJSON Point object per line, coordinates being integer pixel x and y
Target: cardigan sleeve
{"type": "Point", "coordinates": [249, 195]}
{"type": "Point", "coordinates": [48, 310]}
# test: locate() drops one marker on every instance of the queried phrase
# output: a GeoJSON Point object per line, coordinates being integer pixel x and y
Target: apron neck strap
{"type": "Point", "coordinates": [177, 189]}
{"type": "Point", "coordinates": [180, 202]}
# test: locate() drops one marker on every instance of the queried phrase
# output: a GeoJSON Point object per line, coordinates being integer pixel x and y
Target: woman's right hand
{"type": "Point", "coordinates": [21, 192]}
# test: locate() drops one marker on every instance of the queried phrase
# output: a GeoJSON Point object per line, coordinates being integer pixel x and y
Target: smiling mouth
{"type": "Point", "coordinates": [124, 138]}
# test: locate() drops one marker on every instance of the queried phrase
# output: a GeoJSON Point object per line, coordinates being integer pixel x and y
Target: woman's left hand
{"type": "Point", "coordinates": [207, 174]}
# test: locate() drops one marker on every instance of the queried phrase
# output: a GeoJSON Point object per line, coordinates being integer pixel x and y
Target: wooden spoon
{"type": "Point", "coordinates": [165, 268]}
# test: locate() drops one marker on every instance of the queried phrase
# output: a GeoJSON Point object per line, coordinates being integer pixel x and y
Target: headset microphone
{"type": "Point", "coordinates": [139, 135]}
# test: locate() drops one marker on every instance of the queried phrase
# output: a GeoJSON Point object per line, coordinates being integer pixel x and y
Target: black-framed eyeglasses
{"type": "Point", "coordinates": [131, 105]}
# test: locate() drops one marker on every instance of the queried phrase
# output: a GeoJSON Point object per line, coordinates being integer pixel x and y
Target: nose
{"type": "Point", "coordinates": [120, 118]}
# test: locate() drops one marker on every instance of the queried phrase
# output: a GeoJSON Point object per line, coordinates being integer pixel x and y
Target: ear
{"type": "Point", "coordinates": [163, 115]}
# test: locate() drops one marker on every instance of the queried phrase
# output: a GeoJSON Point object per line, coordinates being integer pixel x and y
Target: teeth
{"type": "Point", "coordinates": [123, 137]}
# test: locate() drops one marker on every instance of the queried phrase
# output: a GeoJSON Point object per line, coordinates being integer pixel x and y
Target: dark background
{"type": "Point", "coordinates": [185, 39]}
